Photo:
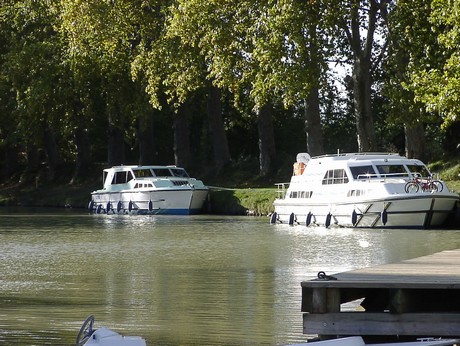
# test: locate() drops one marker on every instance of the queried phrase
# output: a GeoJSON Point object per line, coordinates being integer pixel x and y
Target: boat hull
{"type": "Point", "coordinates": [174, 202]}
{"type": "Point", "coordinates": [401, 211]}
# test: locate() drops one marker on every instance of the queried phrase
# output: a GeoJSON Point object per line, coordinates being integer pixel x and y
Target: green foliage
{"type": "Point", "coordinates": [99, 65]}
{"type": "Point", "coordinates": [261, 47]}
{"type": "Point", "coordinates": [435, 72]}
{"type": "Point", "coordinates": [449, 171]}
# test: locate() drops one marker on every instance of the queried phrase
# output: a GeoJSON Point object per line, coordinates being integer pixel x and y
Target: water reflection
{"type": "Point", "coordinates": [199, 280]}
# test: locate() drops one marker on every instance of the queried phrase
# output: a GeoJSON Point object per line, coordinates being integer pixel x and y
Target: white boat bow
{"type": "Point", "coordinates": [104, 336]}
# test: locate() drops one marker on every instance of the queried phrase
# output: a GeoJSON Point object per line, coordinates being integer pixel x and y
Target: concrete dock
{"type": "Point", "coordinates": [414, 298]}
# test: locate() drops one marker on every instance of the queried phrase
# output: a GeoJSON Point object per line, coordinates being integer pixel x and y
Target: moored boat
{"type": "Point", "coordinates": [149, 190]}
{"type": "Point", "coordinates": [363, 190]}
{"type": "Point", "coordinates": [88, 336]}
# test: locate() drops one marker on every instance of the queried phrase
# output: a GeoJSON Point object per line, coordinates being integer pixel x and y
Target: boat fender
{"type": "Point", "coordinates": [328, 220]}
{"type": "Point", "coordinates": [119, 206]}
{"type": "Point", "coordinates": [91, 205]}
{"type": "Point", "coordinates": [291, 219]}
{"type": "Point", "coordinates": [273, 218]}
{"type": "Point", "coordinates": [150, 205]}
{"type": "Point", "coordinates": [98, 209]}
{"type": "Point", "coordinates": [354, 217]}
{"type": "Point", "coordinates": [108, 207]}
{"type": "Point", "coordinates": [130, 206]}
{"type": "Point", "coordinates": [384, 217]}
{"type": "Point", "coordinates": [309, 216]}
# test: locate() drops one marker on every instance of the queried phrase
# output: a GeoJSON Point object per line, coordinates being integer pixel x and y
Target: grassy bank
{"type": "Point", "coordinates": [242, 201]}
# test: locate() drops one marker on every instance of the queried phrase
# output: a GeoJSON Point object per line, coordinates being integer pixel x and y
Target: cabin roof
{"type": "Point", "coordinates": [129, 167]}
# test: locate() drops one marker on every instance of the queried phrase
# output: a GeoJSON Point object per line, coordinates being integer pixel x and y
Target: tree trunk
{"type": "Point", "coordinates": [313, 127]}
{"type": "Point", "coordinates": [10, 161]}
{"type": "Point", "coordinates": [182, 155]}
{"type": "Point", "coordinates": [362, 105]}
{"type": "Point", "coordinates": [33, 164]}
{"type": "Point", "coordinates": [362, 81]}
{"type": "Point", "coordinates": [116, 140]}
{"type": "Point", "coordinates": [82, 143]}
{"type": "Point", "coordinates": [145, 135]}
{"type": "Point", "coordinates": [216, 125]}
{"type": "Point", "coordinates": [415, 141]}
{"type": "Point", "coordinates": [52, 153]}
{"type": "Point", "coordinates": [83, 159]}
{"type": "Point", "coordinates": [266, 139]}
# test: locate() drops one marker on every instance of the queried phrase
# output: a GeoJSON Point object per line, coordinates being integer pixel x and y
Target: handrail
{"type": "Point", "coordinates": [369, 176]}
{"type": "Point", "coordinates": [282, 189]}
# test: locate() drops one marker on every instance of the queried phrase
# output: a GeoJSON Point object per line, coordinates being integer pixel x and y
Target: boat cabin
{"type": "Point", "coordinates": [143, 175]}
{"type": "Point", "coordinates": [340, 169]}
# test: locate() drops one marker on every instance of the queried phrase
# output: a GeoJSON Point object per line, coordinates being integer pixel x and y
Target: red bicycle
{"type": "Point", "coordinates": [427, 184]}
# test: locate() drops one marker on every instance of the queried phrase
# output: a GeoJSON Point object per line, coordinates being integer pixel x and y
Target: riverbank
{"type": "Point", "coordinates": [226, 201]}
{"type": "Point", "coordinates": [222, 200]}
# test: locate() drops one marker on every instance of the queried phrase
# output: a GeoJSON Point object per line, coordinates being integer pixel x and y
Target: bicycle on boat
{"type": "Point", "coordinates": [427, 184]}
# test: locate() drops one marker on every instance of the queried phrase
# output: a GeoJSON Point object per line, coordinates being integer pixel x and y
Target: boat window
{"type": "Point", "coordinates": [353, 193]}
{"type": "Point", "coordinates": [418, 170]}
{"type": "Point", "coordinates": [335, 176]}
{"type": "Point", "coordinates": [392, 170]}
{"type": "Point", "coordinates": [143, 173]}
{"type": "Point", "coordinates": [179, 172]}
{"type": "Point", "coordinates": [122, 177]}
{"type": "Point", "coordinates": [362, 172]}
{"type": "Point", "coordinates": [162, 172]}
{"type": "Point", "coordinates": [300, 194]}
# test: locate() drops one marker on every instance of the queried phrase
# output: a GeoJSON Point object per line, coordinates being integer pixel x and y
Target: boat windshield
{"type": "Point", "coordinates": [421, 171]}
{"type": "Point", "coordinates": [392, 170]}
{"type": "Point", "coordinates": [179, 172]}
{"type": "Point", "coordinates": [362, 172]}
{"type": "Point", "coordinates": [143, 173]}
{"type": "Point", "coordinates": [162, 172]}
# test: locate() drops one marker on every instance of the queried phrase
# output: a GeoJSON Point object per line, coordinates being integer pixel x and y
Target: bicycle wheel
{"type": "Point", "coordinates": [411, 187]}
{"type": "Point", "coordinates": [439, 186]}
{"type": "Point", "coordinates": [431, 187]}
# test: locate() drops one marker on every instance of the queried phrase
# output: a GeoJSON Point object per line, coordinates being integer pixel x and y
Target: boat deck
{"type": "Point", "coordinates": [418, 297]}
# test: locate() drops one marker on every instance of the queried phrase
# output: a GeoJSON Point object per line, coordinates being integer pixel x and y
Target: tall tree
{"type": "Point", "coordinates": [103, 36]}
{"type": "Point", "coordinates": [220, 146]}
{"type": "Point", "coordinates": [410, 37]}
{"type": "Point", "coordinates": [361, 21]}
{"type": "Point", "coordinates": [262, 52]}
{"type": "Point", "coordinates": [171, 67]}
{"type": "Point", "coordinates": [435, 70]}
{"type": "Point", "coordinates": [34, 70]}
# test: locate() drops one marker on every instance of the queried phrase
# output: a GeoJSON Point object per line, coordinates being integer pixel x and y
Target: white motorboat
{"type": "Point", "coordinates": [363, 190]}
{"type": "Point", "coordinates": [149, 190]}
{"type": "Point", "coordinates": [358, 341]}
{"type": "Point", "coordinates": [104, 336]}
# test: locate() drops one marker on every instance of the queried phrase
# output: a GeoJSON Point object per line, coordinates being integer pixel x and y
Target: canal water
{"type": "Point", "coordinates": [198, 280]}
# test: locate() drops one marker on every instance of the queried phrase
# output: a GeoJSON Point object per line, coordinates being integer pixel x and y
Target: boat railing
{"type": "Point", "coordinates": [383, 177]}
{"type": "Point", "coordinates": [362, 154]}
{"type": "Point", "coordinates": [281, 189]}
